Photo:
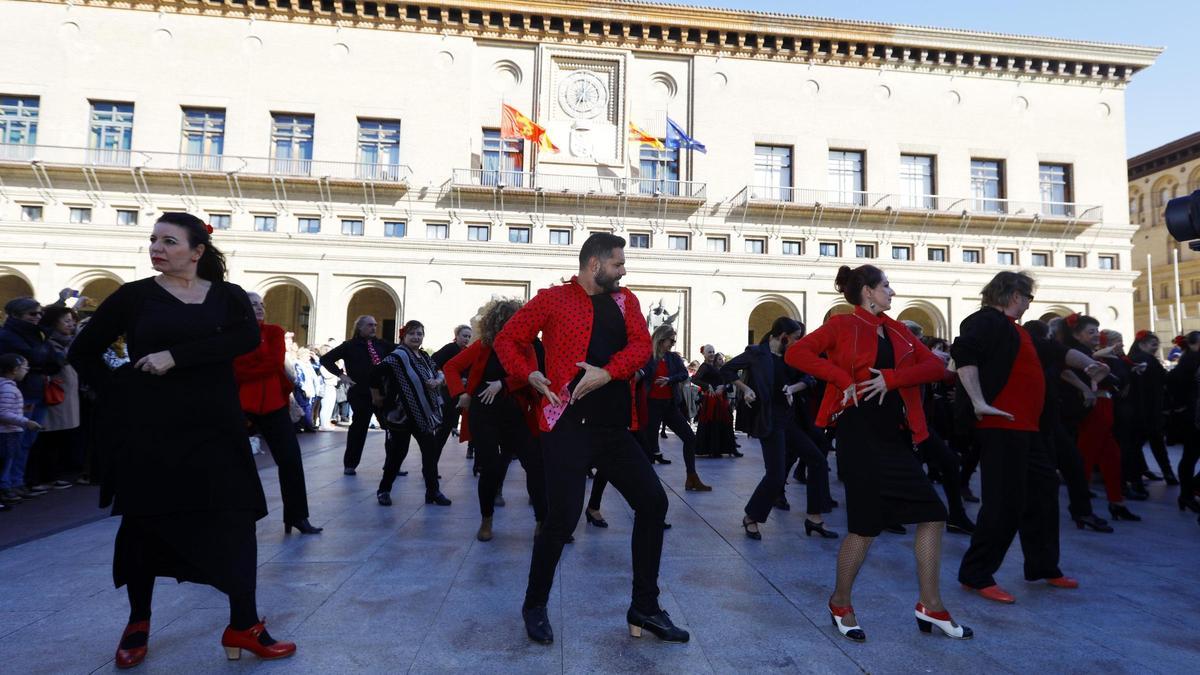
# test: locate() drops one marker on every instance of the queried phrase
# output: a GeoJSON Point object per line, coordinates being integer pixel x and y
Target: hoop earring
{"type": "Point", "coordinates": [872, 305]}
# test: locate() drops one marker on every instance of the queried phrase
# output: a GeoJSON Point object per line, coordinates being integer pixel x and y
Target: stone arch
{"type": "Point", "coordinates": [95, 285]}
{"type": "Point", "coordinates": [1137, 203]}
{"type": "Point", "coordinates": [837, 308]}
{"type": "Point", "coordinates": [288, 303]}
{"type": "Point", "coordinates": [1194, 180]}
{"type": "Point", "coordinates": [1165, 189]}
{"type": "Point", "coordinates": [376, 299]}
{"type": "Point", "coordinates": [13, 284]}
{"type": "Point", "coordinates": [927, 316]}
{"type": "Point", "coordinates": [767, 308]}
{"type": "Point", "coordinates": [1055, 312]}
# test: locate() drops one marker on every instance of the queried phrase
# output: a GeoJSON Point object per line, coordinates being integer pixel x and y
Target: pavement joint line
{"type": "Point", "coordinates": [433, 619]}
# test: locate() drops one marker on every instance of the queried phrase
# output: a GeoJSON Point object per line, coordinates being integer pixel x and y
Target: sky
{"type": "Point", "coordinates": [1162, 102]}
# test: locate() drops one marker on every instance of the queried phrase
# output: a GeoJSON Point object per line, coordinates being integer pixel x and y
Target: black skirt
{"type": "Point", "coordinates": [216, 548]}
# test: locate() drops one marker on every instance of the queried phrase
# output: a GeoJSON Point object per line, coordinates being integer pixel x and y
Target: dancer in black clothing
{"type": "Point", "coordinates": [1149, 397]}
{"type": "Point", "coordinates": [714, 428]}
{"type": "Point", "coordinates": [360, 354]}
{"type": "Point", "coordinates": [660, 379]}
{"type": "Point", "coordinates": [1182, 384]}
{"type": "Point", "coordinates": [935, 451]}
{"type": "Point", "coordinates": [182, 477]}
{"type": "Point", "coordinates": [450, 410]}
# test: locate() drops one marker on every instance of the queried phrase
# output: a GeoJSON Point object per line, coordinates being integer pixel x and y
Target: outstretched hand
{"type": "Point", "coordinates": [593, 378]}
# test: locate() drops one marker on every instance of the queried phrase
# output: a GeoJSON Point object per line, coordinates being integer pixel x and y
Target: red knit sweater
{"type": "Point", "coordinates": [263, 386]}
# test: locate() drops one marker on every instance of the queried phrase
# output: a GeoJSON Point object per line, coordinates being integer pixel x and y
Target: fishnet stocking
{"type": "Point", "coordinates": [927, 547]}
{"type": "Point", "coordinates": [850, 559]}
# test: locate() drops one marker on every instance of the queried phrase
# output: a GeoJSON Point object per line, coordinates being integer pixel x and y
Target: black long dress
{"type": "Point", "coordinates": [714, 430]}
{"type": "Point", "coordinates": [882, 473]}
{"type": "Point", "coordinates": [180, 471]}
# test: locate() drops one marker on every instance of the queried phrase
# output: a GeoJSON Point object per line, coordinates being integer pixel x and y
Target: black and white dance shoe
{"type": "Point", "coordinates": [849, 632]}
{"type": "Point", "coordinates": [658, 623]}
{"type": "Point", "coordinates": [926, 620]}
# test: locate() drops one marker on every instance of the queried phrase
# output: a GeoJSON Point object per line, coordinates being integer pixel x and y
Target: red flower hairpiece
{"type": "Point", "coordinates": [1179, 341]}
{"type": "Point", "coordinates": [1141, 335]}
{"type": "Point", "coordinates": [1073, 319]}
{"type": "Point", "coordinates": [208, 228]}
{"type": "Point", "coordinates": [1103, 339]}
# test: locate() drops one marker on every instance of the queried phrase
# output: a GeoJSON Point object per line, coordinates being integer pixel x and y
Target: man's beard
{"type": "Point", "coordinates": [608, 284]}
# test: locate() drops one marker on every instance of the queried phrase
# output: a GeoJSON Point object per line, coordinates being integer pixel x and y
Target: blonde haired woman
{"type": "Point", "coordinates": [659, 379]}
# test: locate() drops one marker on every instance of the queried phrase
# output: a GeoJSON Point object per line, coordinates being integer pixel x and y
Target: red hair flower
{"type": "Point", "coordinates": [1141, 335]}
{"type": "Point", "coordinates": [1179, 341]}
{"type": "Point", "coordinates": [208, 228]}
{"type": "Point", "coordinates": [1073, 319]}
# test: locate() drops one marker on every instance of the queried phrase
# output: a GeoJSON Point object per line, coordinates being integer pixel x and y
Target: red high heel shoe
{"type": "Point", "coordinates": [128, 658]}
{"type": "Point", "coordinates": [234, 641]}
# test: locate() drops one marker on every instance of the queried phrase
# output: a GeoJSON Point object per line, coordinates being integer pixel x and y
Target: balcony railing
{"type": "Point", "coordinates": [49, 155]}
{"type": "Point", "coordinates": [852, 199]}
{"type": "Point", "coordinates": [613, 186]}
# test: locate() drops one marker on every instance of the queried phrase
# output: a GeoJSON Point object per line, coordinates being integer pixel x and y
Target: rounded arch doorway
{"type": "Point", "coordinates": [764, 314]}
{"type": "Point", "coordinates": [97, 290]}
{"type": "Point", "coordinates": [288, 305]}
{"type": "Point", "coordinates": [12, 286]}
{"type": "Point", "coordinates": [376, 302]}
{"type": "Point", "coordinates": [840, 308]}
{"type": "Point", "coordinates": [925, 316]}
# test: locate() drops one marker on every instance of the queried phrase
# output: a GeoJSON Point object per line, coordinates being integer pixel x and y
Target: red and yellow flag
{"type": "Point", "coordinates": [638, 136]}
{"type": "Point", "coordinates": [515, 125]}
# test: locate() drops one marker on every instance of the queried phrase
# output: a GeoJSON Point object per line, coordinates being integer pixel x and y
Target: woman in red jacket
{"type": "Point", "coordinates": [264, 387]}
{"type": "Point", "coordinates": [875, 366]}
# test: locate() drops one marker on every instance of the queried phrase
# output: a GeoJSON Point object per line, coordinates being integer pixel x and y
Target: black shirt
{"type": "Point", "coordinates": [447, 352]}
{"type": "Point", "coordinates": [782, 378]}
{"type": "Point", "coordinates": [609, 405]}
{"type": "Point", "coordinates": [492, 371]}
{"type": "Point", "coordinates": [357, 359]}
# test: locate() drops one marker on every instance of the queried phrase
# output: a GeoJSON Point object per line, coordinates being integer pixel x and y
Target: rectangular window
{"type": "Point", "coordinates": [80, 215]}
{"type": "Point", "coordinates": [756, 246]}
{"type": "Point", "coordinates": [845, 178]}
{"type": "Point", "coordinates": [659, 171]}
{"type": "Point", "coordinates": [264, 223]}
{"type": "Point", "coordinates": [1040, 259]}
{"type": "Point", "coordinates": [479, 233]}
{"type": "Point", "coordinates": [503, 161]}
{"type": "Point", "coordinates": [682, 242]}
{"type": "Point", "coordinates": [18, 126]}
{"type": "Point", "coordinates": [901, 253]}
{"type": "Point", "coordinates": [309, 225]}
{"type": "Point", "coordinates": [31, 214]}
{"type": "Point", "coordinates": [792, 248]}
{"type": "Point", "coordinates": [1074, 260]}
{"type": "Point", "coordinates": [437, 231]}
{"type": "Point", "coordinates": [773, 172]}
{"type": "Point", "coordinates": [864, 250]}
{"type": "Point", "coordinates": [1195, 289]}
{"type": "Point", "coordinates": [518, 235]}
{"type": "Point", "coordinates": [987, 185]}
{"type": "Point", "coordinates": [111, 136]}
{"type": "Point", "coordinates": [1108, 262]}
{"type": "Point", "coordinates": [130, 217]}
{"type": "Point", "coordinates": [352, 227]}
{"type": "Point", "coordinates": [716, 244]}
{"type": "Point", "coordinates": [639, 240]}
{"type": "Point", "coordinates": [1137, 294]}
{"type": "Point", "coordinates": [1055, 183]}
{"type": "Point", "coordinates": [220, 221]}
{"type": "Point", "coordinates": [916, 182]}
{"type": "Point", "coordinates": [379, 149]}
{"type": "Point", "coordinates": [1006, 257]}
{"type": "Point", "coordinates": [829, 249]}
{"type": "Point", "coordinates": [291, 144]}
{"type": "Point", "coordinates": [395, 228]}
{"type": "Point", "coordinates": [560, 237]}
{"type": "Point", "coordinates": [972, 255]}
{"type": "Point", "coordinates": [203, 139]}
{"type": "Point", "coordinates": [936, 254]}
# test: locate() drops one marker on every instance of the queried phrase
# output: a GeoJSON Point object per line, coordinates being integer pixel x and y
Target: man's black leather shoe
{"type": "Point", "coordinates": [659, 624]}
{"type": "Point", "coordinates": [537, 624]}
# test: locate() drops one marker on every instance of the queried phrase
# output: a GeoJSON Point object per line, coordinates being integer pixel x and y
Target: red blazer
{"type": "Point", "coordinates": [850, 345]}
{"type": "Point", "coordinates": [263, 386]}
{"type": "Point", "coordinates": [473, 360]}
{"type": "Point", "coordinates": [563, 316]}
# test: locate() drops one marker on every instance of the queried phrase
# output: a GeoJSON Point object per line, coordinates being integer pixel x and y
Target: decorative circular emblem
{"type": "Point", "coordinates": [583, 94]}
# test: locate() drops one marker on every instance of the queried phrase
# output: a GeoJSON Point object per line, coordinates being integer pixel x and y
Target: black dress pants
{"type": "Point", "coordinates": [568, 450]}
{"type": "Point", "coordinates": [356, 438]}
{"type": "Point", "coordinates": [498, 434]}
{"type": "Point", "coordinates": [1019, 494]}
{"type": "Point", "coordinates": [396, 449]}
{"type": "Point", "coordinates": [450, 419]}
{"type": "Point", "coordinates": [1070, 467]}
{"type": "Point", "coordinates": [280, 434]}
{"type": "Point", "coordinates": [786, 437]}
{"type": "Point", "coordinates": [1187, 463]}
{"type": "Point", "coordinates": [1158, 448]}
{"type": "Point", "coordinates": [937, 454]}
{"type": "Point", "coordinates": [662, 411]}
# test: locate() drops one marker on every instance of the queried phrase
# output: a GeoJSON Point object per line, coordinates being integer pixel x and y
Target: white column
{"type": "Point", "coordinates": [1150, 289]}
{"type": "Point", "coordinates": [1178, 293]}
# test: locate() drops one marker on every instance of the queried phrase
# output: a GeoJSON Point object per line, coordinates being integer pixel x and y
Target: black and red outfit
{"type": "Point", "coordinates": [663, 406]}
{"type": "Point", "coordinates": [359, 355]}
{"type": "Point", "coordinates": [1182, 385]}
{"type": "Point", "coordinates": [1149, 391]}
{"type": "Point", "coordinates": [1016, 462]}
{"type": "Point", "coordinates": [498, 430]}
{"type": "Point", "coordinates": [414, 412]}
{"type": "Point", "coordinates": [885, 483]}
{"type": "Point", "coordinates": [1097, 438]}
{"type": "Point", "coordinates": [714, 424]}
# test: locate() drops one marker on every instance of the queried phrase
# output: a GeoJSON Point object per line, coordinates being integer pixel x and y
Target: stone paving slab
{"type": "Point", "coordinates": [408, 589]}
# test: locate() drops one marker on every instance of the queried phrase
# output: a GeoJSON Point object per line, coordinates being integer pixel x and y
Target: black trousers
{"type": "Point", "coordinates": [786, 439]}
{"type": "Point", "coordinates": [450, 419]}
{"type": "Point", "coordinates": [936, 453]}
{"type": "Point", "coordinates": [1158, 448]}
{"type": "Point", "coordinates": [279, 433]}
{"type": "Point", "coordinates": [356, 438]}
{"type": "Point", "coordinates": [663, 411]}
{"type": "Point", "coordinates": [498, 434]}
{"type": "Point", "coordinates": [568, 450]}
{"type": "Point", "coordinates": [1070, 467]}
{"type": "Point", "coordinates": [396, 449]}
{"type": "Point", "coordinates": [1019, 494]}
{"type": "Point", "coordinates": [1187, 463]}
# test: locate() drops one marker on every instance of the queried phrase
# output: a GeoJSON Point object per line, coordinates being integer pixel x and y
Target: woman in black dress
{"type": "Point", "coordinates": [875, 366]}
{"type": "Point", "coordinates": [180, 472]}
{"type": "Point", "coordinates": [714, 428]}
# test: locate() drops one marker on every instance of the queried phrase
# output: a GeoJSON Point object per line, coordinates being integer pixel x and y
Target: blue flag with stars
{"type": "Point", "coordinates": [676, 138]}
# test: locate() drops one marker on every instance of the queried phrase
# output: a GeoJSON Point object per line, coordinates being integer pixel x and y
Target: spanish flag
{"type": "Point", "coordinates": [638, 136]}
{"type": "Point", "coordinates": [515, 125]}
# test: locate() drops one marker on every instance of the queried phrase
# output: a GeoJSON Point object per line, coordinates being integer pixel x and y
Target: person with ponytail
{"type": "Point", "coordinates": [181, 476]}
{"type": "Point", "coordinates": [875, 368]}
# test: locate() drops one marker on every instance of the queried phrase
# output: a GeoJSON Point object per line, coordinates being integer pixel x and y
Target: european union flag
{"type": "Point", "coordinates": [676, 138]}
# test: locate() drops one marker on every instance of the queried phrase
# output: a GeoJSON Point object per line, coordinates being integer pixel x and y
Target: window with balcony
{"type": "Point", "coordinates": [18, 126]}
{"type": "Point", "coordinates": [264, 223]}
{"type": "Point", "coordinates": [792, 248]}
{"type": "Point", "coordinates": [203, 139]}
{"type": "Point", "coordinates": [772, 172]}
{"type": "Point", "coordinates": [901, 253]}
{"type": "Point", "coordinates": [844, 180]}
{"type": "Point", "coordinates": [518, 235]}
{"type": "Point", "coordinates": [758, 246]}
{"type": "Point", "coordinates": [220, 221]}
{"type": "Point", "coordinates": [639, 240]}
{"type": "Point", "coordinates": [916, 182]}
{"type": "Point", "coordinates": [479, 233]}
{"type": "Point", "coordinates": [1055, 183]}
{"type": "Point", "coordinates": [972, 255]}
{"type": "Point", "coordinates": [1040, 259]}
{"type": "Point", "coordinates": [111, 136]}
{"type": "Point", "coordinates": [1006, 257]}
{"type": "Point", "coordinates": [682, 242]}
{"type": "Point", "coordinates": [128, 217]}
{"type": "Point", "coordinates": [1074, 260]}
{"type": "Point", "coordinates": [1108, 262]}
{"type": "Point", "coordinates": [31, 213]}
{"type": "Point", "coordinates": [864, 250]}
{"type": "Point", "coordinates": [379, 149]}
{"type": "Point", "coordinates": [437, 231]}
{"type": "Point", "coordinates": [80, 215]}
{"type": "Point", "coordinates": [308, 225]}
{"type": "Point", "coordinates": [396, 229]}
{"type": "Point", "coordinates": [291, 144]}
{"type": "Point", "coordinates": [829, 249]}
{"type": "Point", "coordinates": [560, 237]}
{"type": "Point", "coordinates": [937, 254]}
{"type": "Point", "coordinates": [659, 171]}
{"type": "Point", "coordinates": [503, 160]}
{"type": "Point", "coordinates": [987, 185]}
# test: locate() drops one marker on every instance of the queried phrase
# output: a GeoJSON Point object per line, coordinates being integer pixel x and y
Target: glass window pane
{"type": "Point", "coordinates": [264, 223]}
{"type": "Point", "coordinates": [18, 125]}
{"type": "Point", "coordinates": [773, 172]}
{"type": "Point", "coordinates": [1054, 182]}
{"type": "Point", "coordinates": [291, 144]}
{"type": "Point", "coordinates": [127, 217]}
{"type": "Point", "coordinates": [518, 235]}
{"type": "Point", "coordinates": [437, 231]}
{"type": "Point", "coordinates": [639, 240]}
{"type": "Point", "coordinates": [310, 225]}
{"type": "Point", "coordinates": [937, 255]}
{"type": "Point", "coordinates": [845, 177]}
{"type": "Point", "coordinates": [916, 181]}
{"type": "Point", "coordinates": [395, 228]}
{"type": "Point", "coordinates": [828, 249]}
{"type": "Point", "coordinates": [111, 135]}
{"type": "Point", "coordinates": [986, 186]}
{"type": "Point", "coordinates": [791, 248]}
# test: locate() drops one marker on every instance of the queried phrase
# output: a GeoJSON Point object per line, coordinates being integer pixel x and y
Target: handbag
{"type": "Point", "coordinates": [54, 393]}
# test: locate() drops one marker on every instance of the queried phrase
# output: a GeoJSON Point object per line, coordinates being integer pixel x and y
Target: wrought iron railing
{"type": "Point", "coordinates": [567, 184]}
{"type": "Point", "coordinates": [814, 197]}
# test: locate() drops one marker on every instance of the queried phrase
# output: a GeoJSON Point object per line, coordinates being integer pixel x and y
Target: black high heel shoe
{"type": "Point", "coordinates": [439, 499]}
{"type": "Point", "coordinates": [1091, 522]}
{"type": "Point", "coordinates": [753, 534]}
{"type": "Point", "coordinates": [598, 521]}
{"type": "Point", "coordinates": [819, 528]}
{"type": "Point", "coordinates": [1120, 512]}
{"type": "Point", "coordinates": [1189, 503]}
{"type": "Point", "coordinates": [303, 526]}
{"type": "Point", "coordinates": [659, 459]}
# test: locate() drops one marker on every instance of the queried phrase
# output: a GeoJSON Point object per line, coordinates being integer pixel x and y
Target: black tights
{"type": "Point", "coordinates": [243, 609]}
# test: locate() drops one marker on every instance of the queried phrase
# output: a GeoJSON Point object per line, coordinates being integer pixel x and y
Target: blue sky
{"type": "Point", "coordinates": [1163, 102]}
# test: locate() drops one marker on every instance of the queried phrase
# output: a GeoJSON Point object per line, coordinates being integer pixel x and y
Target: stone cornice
{"type": "Point", "coordinates": [678, 29]}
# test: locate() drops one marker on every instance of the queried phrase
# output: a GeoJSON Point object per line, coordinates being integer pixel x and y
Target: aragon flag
{"type": "Point", "coordinates": [638, 136]}
{"type": "Point", "coordinates": [515, 125]}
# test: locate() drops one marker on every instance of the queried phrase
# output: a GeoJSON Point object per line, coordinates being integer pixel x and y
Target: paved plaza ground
{"type": "Point", "coordinates": [409, 589]}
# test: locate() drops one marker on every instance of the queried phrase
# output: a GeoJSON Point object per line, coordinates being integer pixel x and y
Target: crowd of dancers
{"type": "Point", "coordinates": [573, 386]}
